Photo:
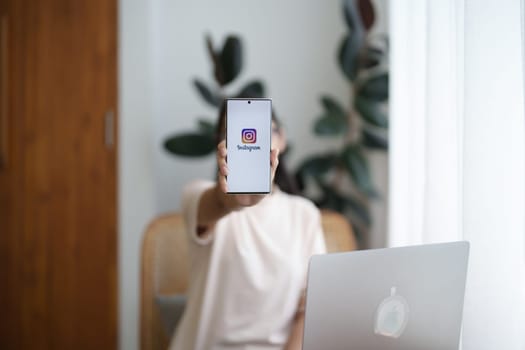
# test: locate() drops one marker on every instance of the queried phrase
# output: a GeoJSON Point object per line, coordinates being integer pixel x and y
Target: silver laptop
{"type": "Point", "coordinates": [394, 298]}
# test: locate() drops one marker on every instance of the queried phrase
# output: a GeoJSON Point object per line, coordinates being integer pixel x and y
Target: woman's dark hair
{"type": "Point", "coordinates": [283, 179]}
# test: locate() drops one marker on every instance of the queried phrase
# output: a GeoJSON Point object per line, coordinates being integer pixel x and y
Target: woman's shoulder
{"type": "Point", "coordinates": [299, 203]}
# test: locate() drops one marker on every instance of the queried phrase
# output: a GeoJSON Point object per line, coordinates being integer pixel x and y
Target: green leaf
{"type": "Point", "coordinates": [352, 17]}
{"type": "Point", "coordinates": [211, 52]}
{"type": "Point", "coordinates": [374, 140]}
{"type": "Point", "coordinates": [358, 209]}
{"type": "Point", "coordinates": [212, 98]}
{"type": "Point", "coordinates": [357, 166]}
{"type": "Point", "coordinates": [371, 112]}
{"type": "Point", "coordinates": [190, 145]}
{"type": "Point", "coordinates": [331, 125]}
{"type": "Point", "coordinates": [376, 88]}
{"type": "Point", "coordinates": [330, 198]}
{"type": "Point", "coordinates": [253, 89]}
{"type": "Point", "coordinates": [207, 127]}
{"type": "Point", "coordinates": [375, 51]}
{"type": "Point", "coordinates": [353, 42]}
{"type": "Point", "coordinates": [216, 60]}
{"type": "Point", "coordinates": [372, 57]}
{"type": "Point", "coordinates": [349, 54]}
{"type": "Point", "coordinates": [332, 106]}
{"type": "Point", "coordinates": [231, 59]}
{"type": "Point", "coordinates": [317, 166]}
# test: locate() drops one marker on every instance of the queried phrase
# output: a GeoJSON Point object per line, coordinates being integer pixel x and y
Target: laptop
{"type": "Point", "coordinates": [393, 298]}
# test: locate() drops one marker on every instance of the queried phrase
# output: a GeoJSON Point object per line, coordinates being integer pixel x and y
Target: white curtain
{"type": "Point", "coordinates": [457, 153]}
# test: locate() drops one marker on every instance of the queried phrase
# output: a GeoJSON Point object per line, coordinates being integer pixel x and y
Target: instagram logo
{"type": "Point", "coordinates": [249, 135]}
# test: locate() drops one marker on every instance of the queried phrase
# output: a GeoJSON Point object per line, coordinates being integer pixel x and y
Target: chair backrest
{"type": "Point", "coordinates": [164, 266]}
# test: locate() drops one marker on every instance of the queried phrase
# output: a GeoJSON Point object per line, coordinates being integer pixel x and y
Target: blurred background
{"type": "Point", "coordinates": [91, 91]}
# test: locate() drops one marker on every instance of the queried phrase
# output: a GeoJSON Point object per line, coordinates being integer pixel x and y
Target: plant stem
{"type": "Point", "coordinates": [352, 136]}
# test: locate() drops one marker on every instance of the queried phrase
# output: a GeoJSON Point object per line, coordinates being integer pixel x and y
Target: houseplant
{"type": "Point", "coordinates": [342, 176]}
{"type": "Point", "coordinates": [227, 63]}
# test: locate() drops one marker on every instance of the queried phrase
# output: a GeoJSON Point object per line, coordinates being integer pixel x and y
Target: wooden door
{"type": "Point", "coordinates": [58, 237]}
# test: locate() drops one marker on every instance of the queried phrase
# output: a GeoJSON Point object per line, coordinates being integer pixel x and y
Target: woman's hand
{"type": "Point", "coordinates": [237, 201]}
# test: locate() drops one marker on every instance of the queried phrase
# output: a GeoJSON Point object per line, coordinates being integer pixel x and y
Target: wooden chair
{"type": "Point", "coordinates": [164, 267]}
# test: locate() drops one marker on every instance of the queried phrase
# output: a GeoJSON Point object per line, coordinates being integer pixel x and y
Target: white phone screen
{"type": "Point", "coordinates": [248, 141]}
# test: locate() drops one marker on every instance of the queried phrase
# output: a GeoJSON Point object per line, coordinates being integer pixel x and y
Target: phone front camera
{"type": "Point", "coordinates": [249, 102]}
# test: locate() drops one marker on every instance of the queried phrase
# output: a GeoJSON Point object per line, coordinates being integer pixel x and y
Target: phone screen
{"type": "Point", "coordinates": [248, 141]}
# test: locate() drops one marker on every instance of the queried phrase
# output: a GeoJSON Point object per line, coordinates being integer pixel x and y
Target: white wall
{"type": "Point", "coordinates": [136, 191]}
{"type": "Point", "coordinates": [290, 45]}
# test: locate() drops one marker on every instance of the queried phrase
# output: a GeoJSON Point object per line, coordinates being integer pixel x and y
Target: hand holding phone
{"type": "Point", "coordinates": [240, 200]}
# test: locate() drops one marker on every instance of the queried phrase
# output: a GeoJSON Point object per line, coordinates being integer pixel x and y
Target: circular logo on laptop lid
{"type": "Point", "coordinates": [391, 316]}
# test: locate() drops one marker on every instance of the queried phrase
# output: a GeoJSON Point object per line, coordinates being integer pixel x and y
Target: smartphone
{"type": "Point", "coordinates": [248, 141]}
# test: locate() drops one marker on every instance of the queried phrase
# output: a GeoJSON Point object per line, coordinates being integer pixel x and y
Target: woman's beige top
{"type": "Point", "coordinates": [248, 273]}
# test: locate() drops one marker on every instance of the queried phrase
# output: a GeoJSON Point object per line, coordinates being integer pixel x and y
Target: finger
{"type": "Point", "coordinates": [222, 183]}
{"type": "Point", "coordinates": [274, 161]}
{"type": "Point", "coordinates": [223, 167]}
{"type": "Point", "coordinates": [223, 170]}
{"type": "Point", "coordinates": [221, 149]}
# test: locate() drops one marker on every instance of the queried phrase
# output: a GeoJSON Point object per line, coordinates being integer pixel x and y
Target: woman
{"type": "Point", "coordinates": [249, 257]}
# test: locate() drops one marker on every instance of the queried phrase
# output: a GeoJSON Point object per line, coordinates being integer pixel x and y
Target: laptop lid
{"type": "Point", "coordinates": [393, 298]}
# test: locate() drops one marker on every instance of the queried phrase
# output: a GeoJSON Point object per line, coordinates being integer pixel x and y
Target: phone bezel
{"type": "Point", "coordinates": [270, 185]}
